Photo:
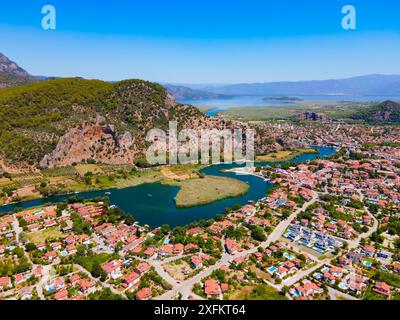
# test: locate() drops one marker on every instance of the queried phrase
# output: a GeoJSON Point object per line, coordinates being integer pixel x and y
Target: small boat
{"type": "Point", "coordinates": [149, 195]}
{"type": "Point", "coordinates": [107, 193]}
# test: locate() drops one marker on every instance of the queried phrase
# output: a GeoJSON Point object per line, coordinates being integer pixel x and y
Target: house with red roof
{"type": "Point", "coordinates": [212, 289]}
{"type": "Point", "coordinates": [112, 268]}
{"type": "Point", "coordinates": [130, 280]}
{"type": "Point", "coordinates": [61, 295]}
{"type": "Point", "coordinates": [382, 288]}
{"type": "Point", "coordinates": [232, 246]}
{"type": "Point", "coordinates": [165, 250]}
{"type": "Point", "coordinates": [5, 283]}
{"type": "Point", "coordinates": [142, 268]}
{"type": "Point", "coordinates": [144, 294]}
{"type": "Point", "coordinates": [197, 262]}
{"type": "Point", "coordinates": [178, 249]}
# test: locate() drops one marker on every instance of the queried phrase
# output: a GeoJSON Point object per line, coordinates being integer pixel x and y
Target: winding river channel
{"type": "Point", "coordinates": [153, 203]}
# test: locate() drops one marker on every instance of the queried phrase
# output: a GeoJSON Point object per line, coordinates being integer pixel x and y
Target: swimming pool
{"type": "Point", "coordinates": [271, 270]}
{"type": "Point", "coordinates": [288, 256]}
{"type": "Point", "coordinates": [342, 286]}
{"type": "Point", "coordinates": [367, 264]}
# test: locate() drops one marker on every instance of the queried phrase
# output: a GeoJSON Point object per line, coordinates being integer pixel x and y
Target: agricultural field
{"type": "Point", "coordinates": [82, 169]}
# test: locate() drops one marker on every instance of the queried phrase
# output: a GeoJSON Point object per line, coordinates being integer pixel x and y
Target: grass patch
{"type": "Point", "coordinates": [181, 172]}
{"type": "Point", "coordinates": [195, 192]}
{"type": "Point", "coordinates": [149, 176]}
{"type": "Point", "coordinates": [88, 261]}
{"type": "Point", "coordinates": [43, 235]}
{"type": "Point", "coordinates": [285, 155]}
{"type": "Point", "coordinates": [85, 168]}
{"type": "Point", "coordinates": [333, 109]}
{"type": "Point", "coordinates": [5, 182]}
{"type": "Point", "coordinates": [260, 292]}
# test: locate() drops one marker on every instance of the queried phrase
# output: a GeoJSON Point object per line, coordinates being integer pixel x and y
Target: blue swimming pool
{"type": "Point", "coordinates": [288, 256]}
{"type": "Point", "coordinates": [367, 264]}
{"type": "Point", "coordinates": [271, 270]}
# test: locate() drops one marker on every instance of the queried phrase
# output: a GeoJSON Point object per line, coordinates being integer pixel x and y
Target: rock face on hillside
{"type": "Point", "coordinates": [94, 141]}
{"type": "Point", "coordinates": [385, 112]}
{"type": "Point", "coordinates": [11, 74]}
{"type": "Point", "coordinates": [10, 67]}
{"type": "Point", "coordinates": [312, 116]}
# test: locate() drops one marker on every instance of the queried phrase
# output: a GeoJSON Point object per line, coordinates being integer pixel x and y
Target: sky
{"type": "Point", "coordinates": [204, 42]}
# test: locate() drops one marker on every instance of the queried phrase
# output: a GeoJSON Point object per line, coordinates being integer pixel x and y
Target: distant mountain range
{"type": "Point", "coordinates": [184, 93]}
{"type": "Point", "coordinates": [385, 85]}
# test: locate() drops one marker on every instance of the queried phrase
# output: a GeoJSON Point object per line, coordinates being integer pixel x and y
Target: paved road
{"type": "Point", "coordinates": [334, 294]}
{"type": "Point", "coordinates": [185, 287]}
{"type": "Point", "coordinates": [301, 274]}
{"type": "Point", "coordinates": [355, 243]}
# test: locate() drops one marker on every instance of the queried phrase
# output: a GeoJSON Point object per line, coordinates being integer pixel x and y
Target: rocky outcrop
{"type": "Point", "coordinates": [312, 116]}
{"type": "Point", "coordinates": [10, 67]}
{"type": "Point", "coordinates": [92, 140]}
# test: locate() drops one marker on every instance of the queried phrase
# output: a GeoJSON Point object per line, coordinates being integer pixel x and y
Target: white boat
{"type": "Point", "coordinates": [107, 193]}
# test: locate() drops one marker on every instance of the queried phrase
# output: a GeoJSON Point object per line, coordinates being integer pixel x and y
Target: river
{"type": "Point", "coordinates": [153, 203]}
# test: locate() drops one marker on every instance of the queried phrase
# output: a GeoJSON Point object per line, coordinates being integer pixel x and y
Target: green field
{"type": "Point", "coordinates": [332, 109]}
{"type": "Point", "coordinates": [206, 190]}
{"type": "Point", "coordinates": [285, 155]}
{"type": "Point", "coordinates": [260, 292]}
{"type": "Point", "coordinates": [43, 235]}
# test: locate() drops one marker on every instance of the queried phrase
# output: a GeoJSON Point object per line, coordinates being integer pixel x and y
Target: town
{"type": "Point", "coordinates": [327, 230]}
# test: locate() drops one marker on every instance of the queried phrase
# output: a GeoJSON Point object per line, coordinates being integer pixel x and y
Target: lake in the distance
{"type": "Point", "coordinates": [243, 101]}
{"type": "Point", "coordinates": [153, 204]}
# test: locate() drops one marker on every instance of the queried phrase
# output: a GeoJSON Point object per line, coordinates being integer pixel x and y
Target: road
{"type": "Point", "coordinates": [334, 294]}
{"type": "Point", "coordinates": [355, 243]}
{"type": "Point", "coordinates": [185, 287]}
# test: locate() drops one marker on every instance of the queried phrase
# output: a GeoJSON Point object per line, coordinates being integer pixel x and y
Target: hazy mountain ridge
{"type": "Point", "coordinates": [363, 85]}
{"type": "Point", "coordinates": [184, 93]}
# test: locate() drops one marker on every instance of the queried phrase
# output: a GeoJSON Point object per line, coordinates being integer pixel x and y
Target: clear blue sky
{"type": "Point", "coordinates": [203, 41]}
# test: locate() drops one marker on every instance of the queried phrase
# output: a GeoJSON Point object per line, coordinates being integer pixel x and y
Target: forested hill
{"type": "Point", "coordinates": [11, 80]}
{"type": "Point", "coordinates": [385, 112]}
{"type": "Point", "coordinates": [58, 122]}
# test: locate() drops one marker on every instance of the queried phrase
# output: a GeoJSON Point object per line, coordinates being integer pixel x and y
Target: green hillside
{"type": "Point", "coordinates": [385, 112]}
{"type": "Point", "coordinates": [11, 80]}
{"type": "Point", "coordinates": [33, 117]}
